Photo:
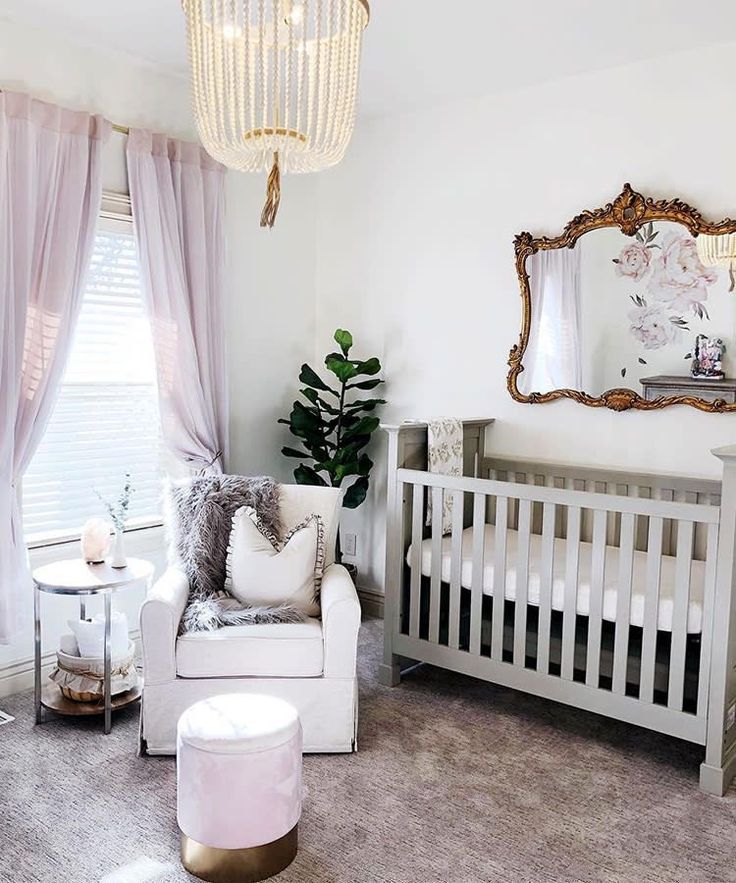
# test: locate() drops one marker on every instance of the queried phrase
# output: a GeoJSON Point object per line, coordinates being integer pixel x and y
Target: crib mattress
{"type": "Point", "coordinates": [636, 613]}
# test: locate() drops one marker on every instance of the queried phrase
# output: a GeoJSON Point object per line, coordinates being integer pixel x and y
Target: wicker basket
{"type": "Point", "coordinates": [81, 678]}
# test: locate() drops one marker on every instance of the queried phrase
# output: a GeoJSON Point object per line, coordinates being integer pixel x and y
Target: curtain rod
{"type": "Point", "coordinates": [116, 127]}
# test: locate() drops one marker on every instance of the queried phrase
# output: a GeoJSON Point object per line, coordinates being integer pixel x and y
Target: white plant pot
{"type": "Point", "coordinates": [118, 558]}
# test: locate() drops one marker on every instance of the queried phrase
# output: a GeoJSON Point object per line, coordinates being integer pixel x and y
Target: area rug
{"type": "Point", "coordinates": [455, 781]}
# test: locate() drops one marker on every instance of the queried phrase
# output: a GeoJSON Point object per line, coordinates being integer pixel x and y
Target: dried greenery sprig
{"type": "Point", "coordinates": [118, 510]}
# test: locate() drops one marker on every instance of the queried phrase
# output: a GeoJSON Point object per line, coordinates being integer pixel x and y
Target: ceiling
{"type": "Point", "coordinates": [422, 52]}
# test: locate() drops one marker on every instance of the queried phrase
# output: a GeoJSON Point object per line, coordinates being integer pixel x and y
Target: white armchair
{"type": "Point", "coordinates": [311, 664]}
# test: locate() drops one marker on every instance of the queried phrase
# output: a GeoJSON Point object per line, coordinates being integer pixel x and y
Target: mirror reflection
{"type": "Point", "coordinates": [651, 310]}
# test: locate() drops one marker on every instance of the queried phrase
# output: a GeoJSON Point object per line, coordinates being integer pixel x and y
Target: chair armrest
{"type": "Point", "coordinates": [340, 622]}
{"type": "Point", "coordinates": [159, 618]}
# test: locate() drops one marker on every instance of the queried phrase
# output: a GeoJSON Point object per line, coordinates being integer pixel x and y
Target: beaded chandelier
{"type": "Point", "coordinates": [718, 251]}
{"type": "Point", "coordinates": [275, 83]}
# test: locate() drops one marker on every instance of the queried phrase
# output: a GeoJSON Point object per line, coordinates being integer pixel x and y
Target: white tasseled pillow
{"type": "Point", "coordinates": [263, 572]}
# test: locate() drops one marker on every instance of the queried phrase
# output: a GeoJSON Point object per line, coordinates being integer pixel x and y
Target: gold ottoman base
{"type": "Point", "coordinates": [239, 865]}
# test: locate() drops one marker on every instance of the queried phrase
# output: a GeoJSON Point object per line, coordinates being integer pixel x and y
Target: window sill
{"type": "Point", "coordinates": [56, 540]}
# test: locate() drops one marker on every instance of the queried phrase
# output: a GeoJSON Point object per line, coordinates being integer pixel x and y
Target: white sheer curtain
{"type": "Point", "coordinates": [553, 358]}
{"type": "Point", "coordinates": [50, 189]}
{"type": "Point", "coordinates": [177, 195]}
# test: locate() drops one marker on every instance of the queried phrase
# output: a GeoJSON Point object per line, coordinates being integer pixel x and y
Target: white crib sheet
{"type": "Point", "coordinates": [666, 586]}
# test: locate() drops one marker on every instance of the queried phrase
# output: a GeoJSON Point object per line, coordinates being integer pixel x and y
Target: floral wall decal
{"type": "Point", "coordinates": [677, 285]}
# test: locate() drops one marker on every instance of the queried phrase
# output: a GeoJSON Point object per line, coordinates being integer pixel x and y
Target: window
{"type": "Point", "coordinates": [106, 418]}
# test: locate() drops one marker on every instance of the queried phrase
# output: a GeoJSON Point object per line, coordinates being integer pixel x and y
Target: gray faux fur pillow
{"type": "Point", "coordinates": [200, 512]}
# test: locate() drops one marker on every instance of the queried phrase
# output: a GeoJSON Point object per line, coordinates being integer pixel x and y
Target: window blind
{"type": "Point", "coordinates": [106, 418]}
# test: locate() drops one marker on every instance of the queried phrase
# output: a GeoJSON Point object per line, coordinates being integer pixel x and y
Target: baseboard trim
{"type": "Point", "coordinates": [18, 676]}
{"type": "Point", "coordinates": [371, 602]}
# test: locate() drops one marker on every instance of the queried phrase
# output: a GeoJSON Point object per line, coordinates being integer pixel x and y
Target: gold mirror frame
{"type": "Point", "coordinates": [629, 211]}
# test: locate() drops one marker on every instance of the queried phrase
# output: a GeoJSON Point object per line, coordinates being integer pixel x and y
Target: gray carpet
{"type": "Point", "coordinates": [455, 782]}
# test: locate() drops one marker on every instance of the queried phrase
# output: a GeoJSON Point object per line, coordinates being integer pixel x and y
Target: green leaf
{"type": "Point", "coordinates": [311, 395]}
{"type": "Point", "coordinates": [309, 377]}
{"type": "Point", "coordinates": [365, 426]}
{"type": "Point", "coordinates": [348, 453]}
{"type": "Point", "coordinates": [292, 452]}
{"type": "Point", "coordinates": [303, 419]}
{"type": "Point", "coordinates": [372, 366]}
{"type": "Point", "coordinates": [326, 465]}
{"type": "Point", "coordinates": [344, 340]}
{"type": "Point", "coordinates": [361, 467]}
{"type": "Point", "coordinates": [365, 384]}
{"type": "Point", "coordinates": [325, 406]}
{"type": "Point", "coordinates": [364, 405]}
{"type": "Point", "coordinates": [306, 475]}
{"type": "Point", "coordinates": [340, 367]}
{"type": "Point", "coordinates": [356, 493]}
{"type": "Point", "coordinates": [342, 472]}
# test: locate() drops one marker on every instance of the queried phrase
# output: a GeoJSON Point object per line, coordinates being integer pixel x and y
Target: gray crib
{"type": "Point", "coordinates": [606, 590]}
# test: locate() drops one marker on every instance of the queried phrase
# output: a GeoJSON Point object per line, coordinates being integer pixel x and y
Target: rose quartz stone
{"type": "Point", "coordinates": [239, 770]}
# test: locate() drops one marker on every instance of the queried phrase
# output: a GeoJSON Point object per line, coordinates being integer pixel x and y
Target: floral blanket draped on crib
{"type": "Point", "coordinates": [445, 457]}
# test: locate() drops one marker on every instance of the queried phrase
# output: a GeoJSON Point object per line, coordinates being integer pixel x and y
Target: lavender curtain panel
{"type": "Point", "coordinates": [50, 189]}
{"type": "Point", "coordinates": [177, 195]}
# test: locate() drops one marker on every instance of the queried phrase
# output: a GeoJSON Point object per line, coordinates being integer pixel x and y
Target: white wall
{"type": "Point", "coordinates": [272, 317]}
{"type": "Point", "coordinates": [415, 251]}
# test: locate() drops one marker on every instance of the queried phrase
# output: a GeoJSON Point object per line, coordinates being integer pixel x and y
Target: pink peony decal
{"type": "Point", "coordinates": [676, 280]}
{"type": "Point", "coordinates": [679, 280]}
{"type": "Point", "coordinates": [633, 261]}
{"type": "Point", "coordinates": [652, 326]}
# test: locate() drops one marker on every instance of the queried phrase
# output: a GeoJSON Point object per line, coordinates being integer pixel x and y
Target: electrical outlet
{"type": "Point", "coordinates": [350, 544]}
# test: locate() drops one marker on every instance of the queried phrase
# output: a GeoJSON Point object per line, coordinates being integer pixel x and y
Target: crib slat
{"type": "Point", "coordinates": [587, 516]}
{"type": "Point", "coordinates": [476, 596]}
{"type": "Point", "coordinates": [436, 571]}
{"type": "Point", "coordinates": [612, 533]}
{"type": "Point", "coordinates": [679, 614]}
{"type": "Point", "coordinates": [706, 626]}
{"type": "Point", "coordinates": [571, 591]}
{"type": "Point", "coordinates": [522, 582]}
{"type": "Point", "coordinates": [499, 577]}
{"type": "Point", "coordinates": [595, 617]}
{"type": "Point", "coordinates": [651, 609]}
{"type": "Point", "coordinates": [623, 602]}
{"type": "Point", "coordinates": [640, 532]}
{"type": "Point", "coordinates": [417, 513]}
{"type": "Point", "coordinates": [545, 586]}
{"type": "Point", "coordinates": [456, 563]}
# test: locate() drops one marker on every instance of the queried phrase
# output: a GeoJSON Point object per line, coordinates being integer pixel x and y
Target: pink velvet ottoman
{"type": "Point", "coordinates": [239, 787]}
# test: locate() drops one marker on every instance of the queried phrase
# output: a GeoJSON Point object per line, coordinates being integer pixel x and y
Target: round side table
{"type": "Point", "coordinates": [75, 577]}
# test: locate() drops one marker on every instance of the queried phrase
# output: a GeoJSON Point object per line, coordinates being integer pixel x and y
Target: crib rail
{"type": "Point", "coordinates": [656, 486]}
{"type": "Point", "coordinates": [636, 673]}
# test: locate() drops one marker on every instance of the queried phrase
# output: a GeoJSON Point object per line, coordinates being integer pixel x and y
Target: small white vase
{"type": "Point", "coordinates": [118, 552]}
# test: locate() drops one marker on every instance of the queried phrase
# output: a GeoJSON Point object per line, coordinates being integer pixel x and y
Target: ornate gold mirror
{"type": "Point", "coordinates": [631, 306]}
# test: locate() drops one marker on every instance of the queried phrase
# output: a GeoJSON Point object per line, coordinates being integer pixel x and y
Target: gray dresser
{"type": "Point", "coordinates": [707, 388]}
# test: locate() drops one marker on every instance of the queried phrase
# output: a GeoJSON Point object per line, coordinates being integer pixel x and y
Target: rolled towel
{"type": "Point", "coordinates": [90, 635]}
{"type": "Point", "coordinates": [68, 644]}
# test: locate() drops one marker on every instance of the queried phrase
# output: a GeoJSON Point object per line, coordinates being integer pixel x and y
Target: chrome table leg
{"type": "Point", "coordinates": [37, 653]}
{"type": "Point", "coordinates": [108, 688]}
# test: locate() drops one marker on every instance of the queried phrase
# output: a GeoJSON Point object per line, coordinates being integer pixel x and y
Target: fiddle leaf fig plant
{"type": "Point", "coordinates": [334, 424]}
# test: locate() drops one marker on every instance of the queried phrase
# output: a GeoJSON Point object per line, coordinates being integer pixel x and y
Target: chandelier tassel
{"type": "Point", "coordinates": [273, 194]}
